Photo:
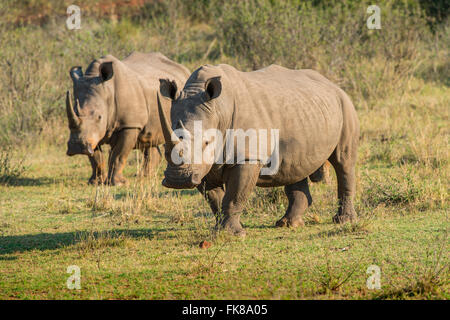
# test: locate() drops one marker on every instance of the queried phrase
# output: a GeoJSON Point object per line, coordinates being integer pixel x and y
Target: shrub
{"type": "Point", "coordinates": [331, 39]}
{"type": "Point", "coordinates": [10, 168]}
{"type": "Point", "coordinates": [392, 191]}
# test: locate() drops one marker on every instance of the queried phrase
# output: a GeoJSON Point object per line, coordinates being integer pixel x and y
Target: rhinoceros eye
{"type": "Point", "coordinates": [99, 117]}
{"type": "Point", "coordinates": [207, 142]}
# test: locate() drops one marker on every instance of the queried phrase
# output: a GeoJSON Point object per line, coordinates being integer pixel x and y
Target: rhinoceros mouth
{"type": "Point", "coordinates": [180, 178]}
{"type": "Point", "coordinates": [78, 148]}
{"type": "Point", "coordinates": [185, 184]}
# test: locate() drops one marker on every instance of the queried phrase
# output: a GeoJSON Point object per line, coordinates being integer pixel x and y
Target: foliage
{"type": "Point", "coordinates": [11, 168]}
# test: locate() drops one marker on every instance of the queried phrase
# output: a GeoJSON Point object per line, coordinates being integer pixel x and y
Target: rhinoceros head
{"type": "Point", "coordinates": [88, 111]}
{"type": "Point", "coordinates": [191, 110]}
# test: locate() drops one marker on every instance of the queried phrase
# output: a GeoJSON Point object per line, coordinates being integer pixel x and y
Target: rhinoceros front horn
{"type": "Point", "coordinates": [74, 120]}
{"type": "Point", "coordinates": [165, 124]}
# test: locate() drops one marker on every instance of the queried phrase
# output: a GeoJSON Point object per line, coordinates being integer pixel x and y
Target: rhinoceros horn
{"type": "Point", "coordinates": [74, 120]}
{"type": "Point", "coordinates": [165, 125]}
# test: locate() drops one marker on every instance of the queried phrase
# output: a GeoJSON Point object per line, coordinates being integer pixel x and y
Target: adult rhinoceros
{"type": "Point", "coordinates": [115, 103]}
{"type": "Point", "coordinates": [315, 119]}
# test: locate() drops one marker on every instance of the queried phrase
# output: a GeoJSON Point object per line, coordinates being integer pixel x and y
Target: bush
{"type": "Point", "coordinates": [10, 168]}
{"type": "Point", "coordinates": [333, 40]}
{"type": "Point", "coordinates": [392, 192]}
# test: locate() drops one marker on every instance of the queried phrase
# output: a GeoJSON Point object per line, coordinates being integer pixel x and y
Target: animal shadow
{"type": "Point", "coordinates": [13, 181]}
{"type": "Point", "coordinates": [53, 241]}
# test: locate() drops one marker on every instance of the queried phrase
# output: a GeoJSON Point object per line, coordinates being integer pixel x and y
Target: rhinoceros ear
{"type": "Point", "coordinates": [76, 73]}
{"type": "Point", "coordinates": [168, 88]}
{"type": "Point", "coordinates": [213, 88]}
{"type": "Point", "coordinates": [106, 71]}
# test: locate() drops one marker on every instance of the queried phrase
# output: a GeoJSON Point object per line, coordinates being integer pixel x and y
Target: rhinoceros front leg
{"type": "Point", "coordinates": [214, 196]}
{"type": "Point", "coordinates": [152, 158]}
{"type": "Point", "coordinates": [240, 180]}
{"type": "Point", "coordinates": [98, 167]}
{"type": "Point", "coordinates": [124, 143]}
{"type": "Point", "coordinates": [299, 200]}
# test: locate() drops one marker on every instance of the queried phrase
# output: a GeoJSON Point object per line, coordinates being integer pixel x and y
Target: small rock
{"type": "Point", "coordinates": [205, 244]}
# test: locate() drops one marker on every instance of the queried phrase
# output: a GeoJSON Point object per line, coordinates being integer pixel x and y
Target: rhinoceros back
{"type": "Point", "coordinates": [151, 67]}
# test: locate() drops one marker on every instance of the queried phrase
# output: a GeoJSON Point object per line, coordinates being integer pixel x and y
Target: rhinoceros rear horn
{"type": "Point", "coordinates": [76, 73]}
{"type": "Point", "coordinates": [74, 120]}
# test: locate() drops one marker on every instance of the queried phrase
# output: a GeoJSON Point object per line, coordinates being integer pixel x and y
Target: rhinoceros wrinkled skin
{"type": "Point", "coordinates": [115, 103]}
{"type": "Point", "coordinates": [316, 120]}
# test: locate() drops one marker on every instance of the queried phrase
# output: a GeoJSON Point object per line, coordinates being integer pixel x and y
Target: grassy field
{"type": "Point", "coordinates": [141, 241]}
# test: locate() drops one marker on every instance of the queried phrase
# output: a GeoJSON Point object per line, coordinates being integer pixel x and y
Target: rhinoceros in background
{"type": "Point", "coordinates": [316, 121]}
{"type": "Point", "coordinates": [115, 103]}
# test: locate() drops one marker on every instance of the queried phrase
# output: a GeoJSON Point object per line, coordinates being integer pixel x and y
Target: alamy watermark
{"type": "Point", "coordinates": [74, 281]}
{"type": "Point", "coordinates": [73, 21]}
{"type": "Point", "coordinates": [374, 281]}
{"type": "Point", "coordinates": [210, 146]}
{"type": "Point", "coordinates": [374, 21]}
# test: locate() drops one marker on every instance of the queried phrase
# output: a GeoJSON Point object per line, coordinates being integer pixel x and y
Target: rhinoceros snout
{"type": "Point", "coordinates": [79, 148]}
{"type": "Point", "coordinates": [180, 179]}
{"type": "Point", "coordinates": [186, 184]}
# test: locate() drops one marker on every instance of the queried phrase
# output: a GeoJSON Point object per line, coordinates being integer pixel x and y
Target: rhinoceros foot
{"type": "Point", "coordinates": [118, 181]}
{"type": "Point", "coordinates": [345, 214]}
{"type": "Point", "coordinates": [290, 222]}
{"type": "Point", "coordinates": [232, 225]}
{"type": "Point", "coordinates": [96, 180]}
{"type": "Point", "coordinates": [344, 218]}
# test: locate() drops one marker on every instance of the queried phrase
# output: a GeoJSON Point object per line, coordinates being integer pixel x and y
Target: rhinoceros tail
{"type": "Point", "coordinates": [321, 174]}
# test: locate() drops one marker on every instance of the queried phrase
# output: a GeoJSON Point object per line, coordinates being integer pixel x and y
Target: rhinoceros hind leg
{"type": "Point", "coordinates": [343, 160]}
{"type": "Point", "coordinates": [321, 174]}
{"type": "Point", "coordinates": [326, 172]}
{"type": "Point", "coordinates": [299, 200]}
{"type": "Point", "coordinates": [346, 190]}
{"type": "Point", "coordinates": [152, 158]}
